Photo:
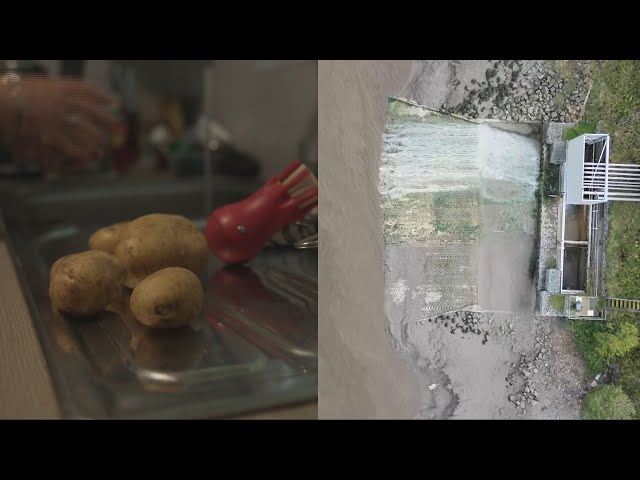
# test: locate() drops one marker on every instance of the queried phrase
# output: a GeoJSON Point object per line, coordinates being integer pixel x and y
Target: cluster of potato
{"type": "Point", "coordinates": [157, 255]}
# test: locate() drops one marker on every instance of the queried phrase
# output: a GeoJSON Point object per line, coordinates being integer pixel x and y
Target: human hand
{"type": "Point", "coordinates": [56, 120]}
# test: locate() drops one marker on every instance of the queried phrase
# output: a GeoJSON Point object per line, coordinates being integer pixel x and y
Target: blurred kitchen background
{"type": "Point", "coordinates": [263, 114]}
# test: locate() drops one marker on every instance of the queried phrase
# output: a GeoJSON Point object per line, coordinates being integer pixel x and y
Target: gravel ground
{"type": "Point", "coordinates": [515, 367]}
{"type": "Point", "coordinates": [518, 90]}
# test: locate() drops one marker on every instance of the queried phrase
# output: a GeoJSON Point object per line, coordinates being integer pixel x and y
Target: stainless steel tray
{"type": "Point", "coordinates": [255, 347]}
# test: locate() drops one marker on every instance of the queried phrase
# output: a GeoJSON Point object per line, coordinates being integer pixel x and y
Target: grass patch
{"type": "Point", "coordinates": [608, 402]}
{"type": "Point", "coordinates": [623, 250]}
{"type": "Point", "coordinates": [629, 379]}
{"type": "Point", "coordinates": [615, 99]}
{"type": "Point", "coordinates": [580, 129]}
{"type": "Point", "coordinates": [557, 302]}
{"type": "Point", "coordinates": [452, 214]}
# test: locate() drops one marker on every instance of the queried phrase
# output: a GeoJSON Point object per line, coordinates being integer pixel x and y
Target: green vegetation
{"type": "Point", "coordinates": [584, 333]}
{"type": "Point", "coordinates": [580, 129]}
{"type": "Point", "coordinates": [615, 101]}
{"type": "Point", "coordinates": [453, 214]}
{"type": "Point", "coordinates": [629, 379]}
{"type": "Point", "coordinates": [619, 338]}
{"type": "Point", "coordinates": [552, 263]}
{"type": "Point", "coordinates": [608, 402]}
{"type": "Point", "coordinates": [623, 250]}
{"type": "Point", "coordinates": [407, 218]}
{"type": "Point", "coordinates": [602, 343]}
{"type": "Point", "coordinates": [417, 217]}
{"type": "Point", "coordinates": [557, 302]}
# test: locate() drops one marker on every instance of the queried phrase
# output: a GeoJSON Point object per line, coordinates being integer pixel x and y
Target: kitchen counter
{"type": "Point", "coordinates": [26, 389]}
{"type": "Point", "coordinates": [26, 381]}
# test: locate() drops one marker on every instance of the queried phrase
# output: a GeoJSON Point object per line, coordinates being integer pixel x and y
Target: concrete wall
{"type": "Point", "coordinates": [573, 170]}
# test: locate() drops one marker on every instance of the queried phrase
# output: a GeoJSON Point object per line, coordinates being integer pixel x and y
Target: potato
{"type": "Point", "coordinates": [56, 265]}
{"type": "Point", "coordinates": [85, 283]}
{"type": "Point", "coordinates": [163, 349]}
{"type": "Point", "coordinates": [107, 238]}
{"type": "Point", "coordinates": [168, 298]}
{"type": "Point", "coordinates": [153, 242]}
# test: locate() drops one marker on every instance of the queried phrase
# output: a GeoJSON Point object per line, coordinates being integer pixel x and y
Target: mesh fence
{"type": "Point", "coordinates": [430, 191]}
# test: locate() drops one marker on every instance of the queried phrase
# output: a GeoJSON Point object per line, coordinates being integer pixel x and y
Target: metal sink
{"type": "Point", "coordinates": [256, 343]}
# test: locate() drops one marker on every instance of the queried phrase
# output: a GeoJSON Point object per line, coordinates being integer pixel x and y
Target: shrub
{"type": "Point", "coordinates": [584, 333]}
{"type": "Point", "coordinates": [608, 402]}
{"type": "Point", "coordinates": [601, 342]}
{"type": "Point", "coordinates": [617, 340]}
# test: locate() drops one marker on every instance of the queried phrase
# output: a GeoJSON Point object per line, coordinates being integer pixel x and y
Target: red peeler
{"type": "Point", "coordinates": [237, 232]}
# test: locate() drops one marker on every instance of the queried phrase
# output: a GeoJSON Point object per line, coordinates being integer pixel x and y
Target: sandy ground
{"type": "Point", "coordinates": [360, 376]}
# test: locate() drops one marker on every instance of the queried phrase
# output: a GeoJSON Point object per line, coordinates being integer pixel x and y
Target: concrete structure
{"type": "Point", "coordinates": [588, 181]}
{"type": "Point", "coordinates": [591, 179]}
{"type": "Point", "coordinates": [558, 152]}
{"type": "Point", "coordinates": [586, 166]}
{"type": "Point", "coordinates": [553, 280]}
{"type": "Point", "coordinates": [578, 306]}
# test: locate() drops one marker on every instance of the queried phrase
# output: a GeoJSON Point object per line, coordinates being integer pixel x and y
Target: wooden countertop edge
{"type": "Point", "coordinates": [26, 389]}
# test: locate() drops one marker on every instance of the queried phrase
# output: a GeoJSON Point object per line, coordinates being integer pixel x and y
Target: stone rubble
{"type": "Point", "coordinates": [521, 375]}
{"type": "Point", "coordinates": [509, 93]}
{"type": "Point", "coordinates": [464, 322]}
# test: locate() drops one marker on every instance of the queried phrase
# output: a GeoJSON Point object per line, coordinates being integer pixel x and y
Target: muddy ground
{"type": "Point", "coordinates": [502, 362]}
